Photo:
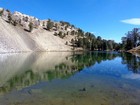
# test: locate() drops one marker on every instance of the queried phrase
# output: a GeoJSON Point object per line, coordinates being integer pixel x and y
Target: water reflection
{"type": "Point", "coordinates": [68, 77]}
{"type": "Point", "coordinates": [22, 70]}
{"type": "Point", "coordinates": [132, 62]}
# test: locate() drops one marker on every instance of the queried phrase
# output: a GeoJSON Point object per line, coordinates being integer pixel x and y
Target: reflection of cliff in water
{"type": "Point", "coordinates": [21, 70]}
{"type": "Point", "coordinates": [132, 62]}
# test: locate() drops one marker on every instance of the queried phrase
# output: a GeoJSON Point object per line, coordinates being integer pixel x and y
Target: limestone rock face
{"type": "Point", "coordinates": [15, 39]}
{"type": "Point", "coordinates": [20, 32]}
{"type": "Point", "coordinates": [5, 15]}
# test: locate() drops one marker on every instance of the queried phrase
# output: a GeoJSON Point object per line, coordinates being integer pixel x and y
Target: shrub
{"type": "Point", "coordinates": [43, 23]}
{"type": "Point", "coordinates": [55, 34]}
{"type": "Point", "coordinates": [30, 26]}
{"type": "Point", "coordinates": [1, 12]}
{"type": "Point", "coordinates": [9, 17]}
{"type": "Point", "coordinates": [66, 43]}
{"type": "Point", "coordinates": [49, 25]}
{"type": "Point", "coordinates": [15, 23]}
{"type": "Point", "coordinates": [60, 34]}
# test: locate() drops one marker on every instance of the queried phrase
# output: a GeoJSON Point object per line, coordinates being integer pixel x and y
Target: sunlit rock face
{"type": "Point", "coordinates": [24, 20]}
{"type": "Point", "coordinates": [20, 18]}
{"type": "Point", "coordinates": [23, 33]}
{"type": "Point", "coordinates": [15, 39]}
{"type": "Point", "coordinates": [5, 15]}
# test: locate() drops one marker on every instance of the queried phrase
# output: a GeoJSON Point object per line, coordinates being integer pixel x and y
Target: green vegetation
{"type": "Point", "coordinates": [132, 62]}
{"type": "Point", "coordinates": [55, 34]}
{"type": "Point", "coordinates": [9, 17]}
{"type": "Point", "coordinates": [30, 26]}
{"type": "Point", "coordinates": [65, 23]}
{"type": "Point", "coordinates": [43, 23]}
{"type": "Point", "coordinates": [131, 40]}
{"type": "Point", "coordinates": [88, 41]}
{"type": "Point", "coordinates": [49, 25]}
{"type": "Point", "coordinates": [60, 34]}
{"type": "Point", "coordinates": [15, 23]}
{"type": "Point", "coordinates": [66, 43]}
{"type": "Point", "coordinates": [1, 12]}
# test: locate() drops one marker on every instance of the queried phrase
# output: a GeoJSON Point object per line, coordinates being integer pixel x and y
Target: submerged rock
{"type": "Point", "coordinates": [84, 89]}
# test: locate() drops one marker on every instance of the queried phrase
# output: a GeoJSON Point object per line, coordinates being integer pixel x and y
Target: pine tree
{"type": "Point", "coordinates": [1, 12]}
{"type": "Point", "coordinates": [9, 17]}
{"type": "Point", "coordinates": [30, 26]}
{"type": "Point", "coordinates": [49, 25]}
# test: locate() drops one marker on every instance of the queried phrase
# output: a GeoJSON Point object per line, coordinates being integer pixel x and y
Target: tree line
{"type": "Point", "coordinates": [131, 39]}
{"type": "Point", "coordinates": [88, 41]}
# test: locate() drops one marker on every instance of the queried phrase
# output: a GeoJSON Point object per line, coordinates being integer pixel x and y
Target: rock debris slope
{"type": "Point", "coordinates": [23, 33]}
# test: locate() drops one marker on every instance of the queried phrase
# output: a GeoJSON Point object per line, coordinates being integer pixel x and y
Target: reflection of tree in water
{"type": "Point", "coordinates": [132, 62]}
{"type": "Point", "coordinates": [29, 77]}
{"type": "Point", "coordinates": [62, 71]}
{"type": "Point", "coordinates": [90, 58]}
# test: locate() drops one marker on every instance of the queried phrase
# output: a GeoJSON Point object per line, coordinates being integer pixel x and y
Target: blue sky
{"type": "Point", "coordinates": [110, 19]}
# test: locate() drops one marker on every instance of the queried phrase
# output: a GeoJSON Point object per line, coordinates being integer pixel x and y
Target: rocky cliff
{"type": "Point", "coordinates": [23, 33]}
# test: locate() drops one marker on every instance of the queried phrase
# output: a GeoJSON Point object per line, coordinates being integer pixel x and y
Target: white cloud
{"type": "Point", "coordinates": [132, 76]}
{"type": "Point", "coordinates": [133, 21]}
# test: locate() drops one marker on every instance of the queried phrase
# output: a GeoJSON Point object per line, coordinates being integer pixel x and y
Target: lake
{"type": "Point", "coordinates": [68, 78]}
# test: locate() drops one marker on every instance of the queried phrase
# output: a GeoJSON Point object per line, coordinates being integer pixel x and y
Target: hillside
{"type": "Point", "coordinates": [23, 33]}
{"type": "Point", "coordinates": [15, 35]}
{"type": "Point", "coordinates": [15, 39]}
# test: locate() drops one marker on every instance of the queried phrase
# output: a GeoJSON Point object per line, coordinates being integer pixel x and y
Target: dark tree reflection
{"type": "Point", "coordinates": [132, 62]}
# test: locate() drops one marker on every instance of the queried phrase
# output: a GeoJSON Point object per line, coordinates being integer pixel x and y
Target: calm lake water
{"type": "Point", "coordinates": [66, 78]}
